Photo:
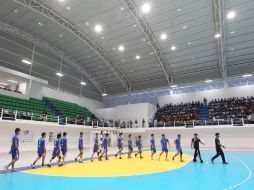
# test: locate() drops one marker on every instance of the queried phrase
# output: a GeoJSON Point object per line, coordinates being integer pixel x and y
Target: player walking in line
{"type": "Point", "coordinates": [64, 146]}
{"type": "Point", "coordinates": [105, 144]}
{"type": "Point", "coordinates": [57, 151]}
{"type": "Point", "coordinates": [153, 147]}
{"type": "Point", "coordinates": [41, 150]}
{"type": "Point", "coordinates": [120, 145]}
{"type": "Point", "coordinates": [95, 147]}
{"type": "Point", "coordinates": [219, 150]}
{"type": "Point", "coordinates": [164, 146]}
{"type": "Point", "coordinates": [195, 144]}
{"type": "Point", "coordinates": [81, 148]}
{"type": "Point", "coordinates": [140, 147]}
{"type": "Point", "coordinates": [178, 148]}
{"type": "Point", "coordinates": [130, 147]}
{"type": "Point", "coordinates": [14, 150]}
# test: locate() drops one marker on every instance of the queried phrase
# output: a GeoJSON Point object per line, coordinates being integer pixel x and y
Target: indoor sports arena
{"type": "Point", "coordinates": [126, 94]}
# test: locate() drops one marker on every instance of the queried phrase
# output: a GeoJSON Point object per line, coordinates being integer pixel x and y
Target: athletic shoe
{"type": "Point", "coordinates": [81, 161]}
{"type": "Point", "coordinates": [49, 165]}
{"type": "Point", "coordinates": [195, 161]}
{"type": "Point", "coordinates": [42, 165]}
{"type": "Point", "coordinates": [5, 168]}
{"type": "Point", "coordinates": [116, 156]}
{"type": "Point", "coordinates": [201, 161]}
{"type": "Point", "coordinates": [33, 166]}
{"type": "Point", "coordinates": [120, 157]}
{"type": "Point", "coordinates": [60, 165]}
{"type": "Point", "coordinates": [91, 160]}
{"type": "Point", "coordinates": [76, 159]}
{"type": "Point", "coordinates": [135, 155]}
{"type": "Point", "coordinates": [181, 161]}
{"type": "Point", "coordinates": [224, 163]}
{"type": "Point", "coordinates": [141, 157]}
{"type": "Point", "coordinates": [212, 161]}
{"type": "Point", "coordinates": [106, 159]}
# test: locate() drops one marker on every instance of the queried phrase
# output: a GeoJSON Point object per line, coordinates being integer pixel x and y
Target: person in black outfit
{"type": "Point", "coordinates": [195, 144]}
{"type": "Point", "coordinates": [219, 149]}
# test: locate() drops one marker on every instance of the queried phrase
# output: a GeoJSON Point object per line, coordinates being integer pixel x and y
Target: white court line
{"type": "Point", "coordinates": [246, 179]}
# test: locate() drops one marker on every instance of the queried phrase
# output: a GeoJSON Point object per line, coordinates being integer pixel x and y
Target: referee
{"type": "Point", "coordinates": [195, 144]}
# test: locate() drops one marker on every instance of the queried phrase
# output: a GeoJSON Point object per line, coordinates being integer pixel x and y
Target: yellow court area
{"type": "Point", "coordinates": [115, 167]}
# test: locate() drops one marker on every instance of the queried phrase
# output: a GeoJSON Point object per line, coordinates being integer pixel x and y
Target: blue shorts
{"type": "Point", "coordinates": [64, 151]}
{"type": "Point", "coordinates": [164, 149]}
{"type": "Point", "coordinates": [40, 153]}
{"type": "Point", "coordinates": [153, 149]}
{"type": "Point", "coordinates": [56, 153]}
{"type": "Point", "coordinates": [95, 148]}
{"type": "Point", "coordinates": [130, 148]}
{"type": "Point", "coordinates": [120, 146]}
{"type": "Point", "coordinates": [105, 148]}
{"type": "Point", "coordinates": [81, 148]}
{"type": "Point", "coordinates": [179, 150]}
{"type": "Point", "coordinates": [15, 154]}
{"type": "Point", "coordinates": [140, 148]}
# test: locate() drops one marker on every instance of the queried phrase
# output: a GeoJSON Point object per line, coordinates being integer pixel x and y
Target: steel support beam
{"type": "Point", "coordinates": [4, 27]}
{"type": "Point", "coordinates": [218, 9]}
{"type": "Point", "coordinates": [137, 15]}
{"type": "Point", "coordinates": [55, 17]}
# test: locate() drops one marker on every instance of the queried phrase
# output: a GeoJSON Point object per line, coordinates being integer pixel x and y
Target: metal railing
{"type": "Point", "coordinates": [220, 122]}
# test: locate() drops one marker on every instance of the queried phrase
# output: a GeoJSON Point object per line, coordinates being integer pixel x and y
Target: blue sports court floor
{"type": "Point", "coordinates": [237, 175]}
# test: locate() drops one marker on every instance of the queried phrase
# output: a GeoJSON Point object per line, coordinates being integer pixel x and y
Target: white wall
{"type": "Point", "coordinates": [241, 91]}
{"type": "Point", "coordinates": [36, 128]}
{"type": "Point", "coordinates": [14, 94]}
{"type": "Point", "coordinates": [236, 138]}
{"type": "Point", "coordinates": [129, 112]}
{"type": "Point", "coordinates": [38, 91]}
{"type": "Point", "coordinates": [240, 138]}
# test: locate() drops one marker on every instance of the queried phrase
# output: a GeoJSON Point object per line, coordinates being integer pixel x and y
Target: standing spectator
{"type": "Point", "coordinates": [136, 123]}
{"type": "Point", "coordinates": [205, 101]}
{"type": "Point", "coordinates": [131, 123]}
{"type": "Point", "coordinates": [143, 123]}
{"type": "Point", "coordinates": [158, 106]}
{"type": "Point", "coordinates": [45, 115]}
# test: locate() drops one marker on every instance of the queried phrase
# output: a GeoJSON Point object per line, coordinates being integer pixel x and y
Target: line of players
{"type": "Point", "coordinates": [101, 149]}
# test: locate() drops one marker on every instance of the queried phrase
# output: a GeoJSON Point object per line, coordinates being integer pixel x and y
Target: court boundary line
{"type": "Point", "coordinates": [246, 179]}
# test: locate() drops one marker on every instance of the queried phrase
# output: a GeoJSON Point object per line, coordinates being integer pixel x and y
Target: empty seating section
{"type": "Point", "coordinates": [32, 108]}
{"type": "Point", "coordinates": [70, 110]}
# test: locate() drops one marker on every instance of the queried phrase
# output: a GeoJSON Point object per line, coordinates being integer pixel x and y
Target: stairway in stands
{"type": "Point", "coordinates": [54, 110]}
{"type": "Point", "coordinates": [204, 113]}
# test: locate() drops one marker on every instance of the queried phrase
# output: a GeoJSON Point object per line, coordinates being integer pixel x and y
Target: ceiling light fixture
{"type": "Point", "coordinates": [173, 86]}
{"type": "Point", "coordinates": [179, 10]}
{"type": "Point", "coordinates": [217, 35]}
{"type": "Point", "coordinates": [13, 81]}
{"type": "Point", "coordinates": [247, 75]}
{"type": "Point", "coordinates": [26, 62]}
{"type": "Point", "coordinates": [15, 11]}
{"type": "Point", "coordinates": [59, 74]}
{"type": "Point", "coordinates": [207, 81]}
{"type": "Point", "coordinates": [121, 48]}
{"type": "Point", "coordinates": [68, 8]}
{"type": "Point", "coordinates": [104, 94]}
{"type": "Point", "coordinates": [137, 57]}
{"type": "Point", "coordinates": [122, 8]}
{"type": "Point", "coordinates": [173, 48]}
{"type": "Point", "coordinates": [189, 43]}
{"type": "Point", "coordinates": [40, 24]}
{"type": "Point", "coordinates": [231, 14]}
{"type": "Point", "coordinates": [163, 36]}
{"type": "Point", "coordinates": [83, 83]}
{"type": "Point", "coordinates": [98, 28]}
{"type": "Point", "coordinates": [146, 7]}
{"type": "Point", "coordinates": [60, 35]}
